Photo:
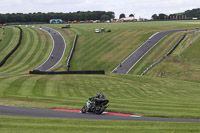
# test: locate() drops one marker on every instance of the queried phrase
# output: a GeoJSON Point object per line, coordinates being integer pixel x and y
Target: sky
{"type": "Point", "coordinates": [141, 8]}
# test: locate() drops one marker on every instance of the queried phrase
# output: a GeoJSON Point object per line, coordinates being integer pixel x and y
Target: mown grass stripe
{"type": "Point", "coordinates": [7, 39]}
{"type": "Point", "coordinates": [12, 45]}
{"type": "Point", "coordinates": [5, 83]}
{"type": "Point", "coordinates": [51, 89]}
{"type": "Point", "coordinates": [20, 53]}
{"type": "Point", "coordinates": [39, 54]}
{"type": "Point", "coordinates": [40, 86]}
{"type": "Point", "coordinates": [14, 87]}
{"type": "Point", "coordinates": [31, 53]}
{"type": "Point", "coordinates": [28, 85]}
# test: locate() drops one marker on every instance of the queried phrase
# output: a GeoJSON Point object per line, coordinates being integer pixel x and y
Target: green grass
{"type": "Point", "coordinates": [129, 94]}
{"type": "Point", "coordinates": [43, 125]}
{"type": "Point", "coordinates": [184, 63]}
{"type": "Point", "coordinates": [106, 50]}
{"type": "Point", "coordinates": [34, 50]}
{"type": "Point", "coordinates": [8, 40]}
{"type": "Point", "coordinates": [161, 49]}
{"type": "Point", "coordinates": [6, 37]}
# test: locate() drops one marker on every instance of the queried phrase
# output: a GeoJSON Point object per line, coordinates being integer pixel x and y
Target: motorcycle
{"type": "Point", "coordinates": [97, 106]}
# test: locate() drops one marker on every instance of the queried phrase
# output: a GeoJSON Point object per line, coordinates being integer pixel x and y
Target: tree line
{"type": "Point", "coordinates": [189, 14]}
{"type": "Point", "coordinates": [45, 17]}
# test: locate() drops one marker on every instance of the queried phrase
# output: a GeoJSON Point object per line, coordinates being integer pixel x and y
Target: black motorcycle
{"type": "Point", "coordinates": [97, 106]}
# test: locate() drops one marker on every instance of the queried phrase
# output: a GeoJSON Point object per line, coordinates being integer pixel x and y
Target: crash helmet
{"type": "Point", "coordinates": [99, 94]}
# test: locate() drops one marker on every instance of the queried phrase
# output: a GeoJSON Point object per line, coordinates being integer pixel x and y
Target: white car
{"type": "Point", "coordinates": [97, 31]}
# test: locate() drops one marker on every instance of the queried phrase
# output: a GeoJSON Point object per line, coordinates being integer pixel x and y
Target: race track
{"type": "Point", "coordinates": [29, 112]}
{"type": "Point", "coordinates": [137, 55]}
{"type": "Point", "coordinates": [57, 51]}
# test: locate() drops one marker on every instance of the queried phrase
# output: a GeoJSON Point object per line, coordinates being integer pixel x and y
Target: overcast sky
{"type": "Point", "coordinates": [141, 8]}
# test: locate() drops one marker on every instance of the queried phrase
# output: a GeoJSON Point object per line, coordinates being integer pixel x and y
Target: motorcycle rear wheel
{"type": "Point", "coordinates": [83, 110]}
{"type": "Point", "coordinates": [102, 108]}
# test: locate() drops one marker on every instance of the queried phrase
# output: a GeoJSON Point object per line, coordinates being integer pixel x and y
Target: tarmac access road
{"type": "Point", "coordinates": [137, 55]}
{"type": "Point", "coordinates": [43, 113]}
{"type": "Point", "coordinates": [57, 51]}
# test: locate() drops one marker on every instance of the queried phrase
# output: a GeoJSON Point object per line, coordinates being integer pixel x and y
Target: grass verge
{"type": "Point", "coordinates": [41, 125]}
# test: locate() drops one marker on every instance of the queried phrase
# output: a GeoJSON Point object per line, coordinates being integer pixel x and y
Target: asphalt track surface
{"type": "Point", "coordinates": [137, 55]}
{"type": "Point", "coordinates": [57, 51]}
{"type": "Point", "coordinates": [43, 113]}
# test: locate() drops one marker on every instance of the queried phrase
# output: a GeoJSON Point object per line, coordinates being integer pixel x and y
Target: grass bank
{"type": "Point", "coordinates": [41, 125]}
{"type": "Point", "coordinates": [184, 63]}
{"type": "Point", "coordinates": [127, 93]}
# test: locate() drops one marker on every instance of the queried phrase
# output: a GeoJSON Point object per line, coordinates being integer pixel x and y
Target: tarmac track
{"type": "Point", "coordinates": [137, 55]}
{"type": "Point", "coordinates": [57, 51]}
{"type": "Point", "coordinates": [30, 112]}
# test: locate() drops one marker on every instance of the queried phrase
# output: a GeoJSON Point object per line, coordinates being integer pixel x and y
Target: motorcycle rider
{"type": "Point", "coordinates": [99, 96]}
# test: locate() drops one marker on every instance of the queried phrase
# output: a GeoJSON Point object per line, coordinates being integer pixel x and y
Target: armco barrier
{"type": "Point", "coordinates": [67, 72]}
{"type": "Point", "coordinates": [71, 53]}
{"type": "Point", "coordinates": [18, 44]}
{"type": "Point", "coordinates": [56, 68]}
{"type": "Point", "coordinates": [158, 61]}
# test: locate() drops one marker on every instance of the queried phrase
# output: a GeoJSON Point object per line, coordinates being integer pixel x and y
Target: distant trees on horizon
{"type": "Point", "coordinates": [189, 14]}
{"type": "Point", "coordinates": [45, 17]}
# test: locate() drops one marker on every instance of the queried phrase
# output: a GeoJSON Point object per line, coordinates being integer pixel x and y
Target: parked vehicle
{"type": "Point", "coordinates": [97, 31]}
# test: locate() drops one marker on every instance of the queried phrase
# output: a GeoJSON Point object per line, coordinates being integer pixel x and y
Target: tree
{"type": "Point", "coordinates": [45, 17]}
{"type": "Point", "coordinates": [162, 16]}
{"type": "Point", "coordinates": [131, 15]}
{"type": "Point", "coordinates": [122, 15]}
{"type": "Point", "coordinates": [155, 17]}
{"type": "Point", "coordinates": [105, 17]}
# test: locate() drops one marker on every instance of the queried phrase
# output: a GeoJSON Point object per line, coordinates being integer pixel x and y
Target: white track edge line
{"type": "Point", "coordinates": [135, 51]}
{"type": "Point", "coordinates": [53, 47]}
{"type": "Point", "coordinates": [144, 55]}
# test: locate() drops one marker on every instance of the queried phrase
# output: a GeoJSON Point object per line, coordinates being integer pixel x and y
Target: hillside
{"type": "Point", "coordinates": [184, 63]}
{"type": "Point", "coordinates": [105, 51]}
{"type": "Point", "coordinates": [35, 48]}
